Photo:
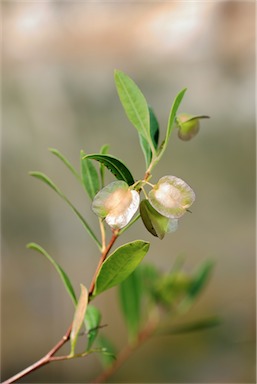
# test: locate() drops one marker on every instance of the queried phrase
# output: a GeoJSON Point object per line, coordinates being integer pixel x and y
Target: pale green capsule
{"type": "Point", "coordinates": [171, 197]}
{"type": "Point", "coordinates": [188, 125]}
{"type": "Point", "coordinates": [116, 203]}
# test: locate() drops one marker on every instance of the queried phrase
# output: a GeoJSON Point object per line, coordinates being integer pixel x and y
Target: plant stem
{"type": "Point", "coordinates": [127, 351]}
{"type": "Point", "coordinates": [49, 357]}
{"type": "Point", "coordinates": [103, 257]}
{"type": "Point", "coordinates": [41, 362]}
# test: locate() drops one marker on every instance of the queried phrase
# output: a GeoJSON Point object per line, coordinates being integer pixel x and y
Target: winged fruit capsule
{"type": "Point", "coordinates": [171, 197]}
{"type": "Point", "coordinates": [157, 224]}
{"type": "Point", "coordinates": [116, 203]}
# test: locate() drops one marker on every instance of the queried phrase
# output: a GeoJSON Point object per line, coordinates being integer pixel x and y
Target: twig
{"type": "Point", "coordinates": [49, 357]}
{"type": "Point", "coordinates": [127, 351]}
{"type": "Point", "coordinates": [41, 362]}
{"type": "Point", "coordinates": [103, 257]}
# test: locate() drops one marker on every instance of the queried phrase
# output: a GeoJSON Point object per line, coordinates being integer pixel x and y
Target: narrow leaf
{"type": "Point", "coordinates": [41, 176]}
{"type": "Point", "coordinates": [197, 117]}
{"type": "Point", "coordinates": [154, 128]}
{"type": "Point", "coordinates": [173, 113]}
{"type": "Point", "coordinates": [130, 294]}
{"type": "Point", "coordinates": [199, 325]}
{"type": "Point", "coordinates": [171, 120]}
{"type": "Point", "coordinates": [120, 264]}
{"type": "Point", "coordinates": [108, 350]}
{"type": "Point", "coordinates": [114, 165]}
{"type": "Point", "coordinates": [92, 322]}
{"type": "Point", "coordinates": [89, 176]}
{"type": "Point", "coordinates": [154, 134]}
{"type": "Point", "coordinates": [66, 162]}
{"type": "Point", "coordinates": [78, 318]}
{"type": "Point", "coordinates": [63, 275]}
{"type": "Point", "coordinates": [201, 278]}
{"type": "Point", "coordinates": [103, 151]}
{"type": "Point", "coordinates": [198, 283]}
{"type": "Point", "coordinates": [133, 102]}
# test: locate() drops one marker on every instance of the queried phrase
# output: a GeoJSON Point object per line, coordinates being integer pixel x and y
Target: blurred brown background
{"type": "Point", "coordinates": [58, 91]}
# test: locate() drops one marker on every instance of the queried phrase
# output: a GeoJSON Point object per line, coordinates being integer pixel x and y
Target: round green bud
{"type": "Point", "coordinates": [188, 125]}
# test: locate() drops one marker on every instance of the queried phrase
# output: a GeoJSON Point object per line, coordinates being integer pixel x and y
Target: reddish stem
{"type": "Point", "coordinates": [126, 352]}
{"type": "Point", "coordinates": [41, 362]}
{"type": "Point", "coordinates": [103, 257]}
{"type": "Point", "coordinates": [49, 357]}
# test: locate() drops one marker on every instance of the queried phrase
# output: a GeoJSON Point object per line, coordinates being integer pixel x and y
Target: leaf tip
{"type": "Point", "coordinates": [30, 245]}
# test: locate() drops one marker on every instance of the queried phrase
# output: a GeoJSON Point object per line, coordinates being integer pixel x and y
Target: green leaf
{"type": "Point", "coordinates": [201, 278]}
{"type": "Point", "coordinates": [199, 325]}
{"type": "Point", "coordinates": [103, 151]}
{"type": "Point", "coordinates": [92, 322]}
{"type": "Point", "coordinates": [89, 176]}
{"type": "Point", "coordinates": [119, 265]}
{"type": "Point", "coordinates": [171, 120]}
{"type": "Point", "coordinates": [134, 104]}
{"type": "Point", "coordinates": [171, 288]}
{"type": "Point", "coordinates": [196, 117]}
{"type": "Point", "coordinates": [130, 294]}
{"type": "Point", "coordinates": [108, 351]}
{"type": "Point", "coordinates": [154, 128]}
{"type": "Point", "coordinates": [114, 165]}
{"type": "Point", "coordinates": [61, 272]}
{"type": "Point", "coordinates": [41, 176]}
{"type": "Point", "coordinates": [154, 222]}
{"type": "Point", "coordinates": [66, 162]}
{"type": "Point", "coordinates": [149, 275]}
{"type": "Point", "coordinates": [78, 318]}
{"type": "Point", "coordinates": [198, 283]}
{"type": "Point", "coordinates": [154, 133]}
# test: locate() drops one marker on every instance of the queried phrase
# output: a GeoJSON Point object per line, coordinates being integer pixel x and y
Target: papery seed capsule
{"type": "Point", "coordinates": [171, 196]}
{"type": "Point", "coordinates": [116, 203]}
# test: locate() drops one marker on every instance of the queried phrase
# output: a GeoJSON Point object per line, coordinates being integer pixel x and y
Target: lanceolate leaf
{"type": "Point", "coordinates": [92, 322]}
{"type": "Point", "coordinates": [201, 278]}
{"type": "Point", "coordinates": [120, 264]}
{"type": "Point", "coordinates": [154, 128]}
{"type": "Point", "coordinates": [41, 176]}
{"type": "Point", "coordinates": [171, 120]}
{"type": "Point", "coordinates": [103, 151]}
{"type": "Point", "coordinates": [78, 317]}
{"type": "Point", "coordinates": [154, 133]}
{"type": "Point", "coordinates": [63, 275]}
{"type": "Point", "coordinates": [198, 325]}
{"type": "Point", "coordinates": [89, 176]}
{"type": "Point", "coordinates": [130, 292]}
{"type": "Point", "coordinates": [65, 161]}
{"type": "Point", "coordinates": [199, 281]}
{"type": "Point", "coordinates": [134, 103]}
{"type": "Point", "coordinates": [119, 170]}
{"type": "Point", "coordinates": [173, 112]}
{"type": "Point", "coordinates": [108, 350]}
{"type": "Point", "coordinates": [198, 117]}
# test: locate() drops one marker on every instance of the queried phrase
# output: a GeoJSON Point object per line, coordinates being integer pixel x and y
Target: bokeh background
{"type": "Point", "coordinates": [58, 91]}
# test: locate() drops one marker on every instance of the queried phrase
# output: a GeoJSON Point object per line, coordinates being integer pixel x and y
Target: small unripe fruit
{"type": "Point", "coordinates": [188, 125]}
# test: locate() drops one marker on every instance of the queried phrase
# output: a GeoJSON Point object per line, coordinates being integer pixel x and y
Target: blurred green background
{"type": "Point", "coordinates": [58, 91]}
